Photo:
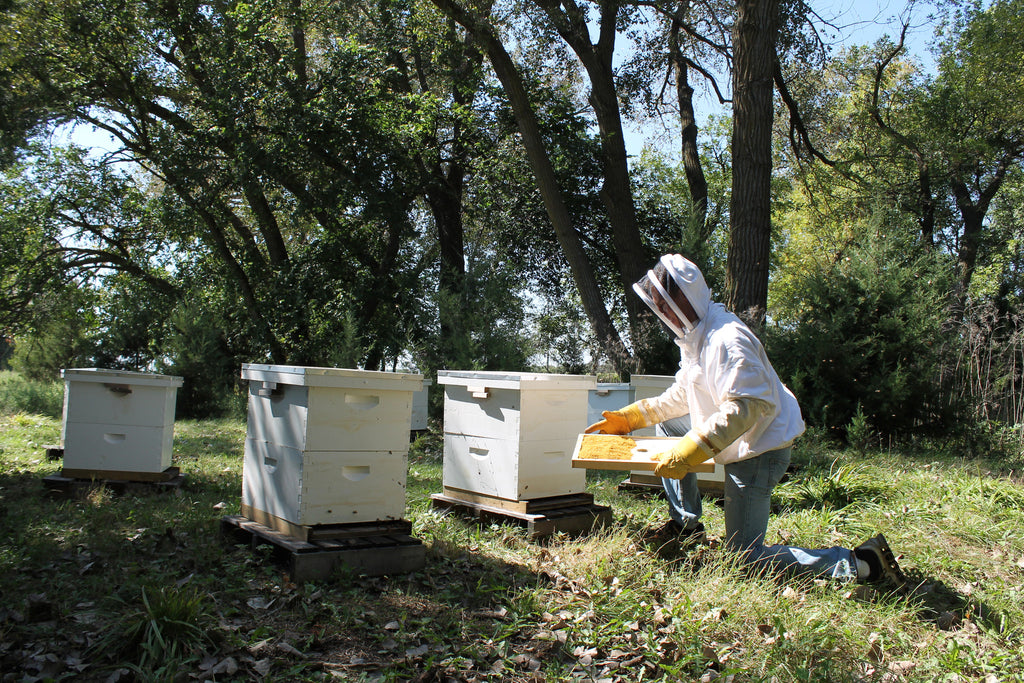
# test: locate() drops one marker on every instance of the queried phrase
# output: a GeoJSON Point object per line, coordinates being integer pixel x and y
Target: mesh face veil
{"type": "Point", "coordinates": [653, 292]}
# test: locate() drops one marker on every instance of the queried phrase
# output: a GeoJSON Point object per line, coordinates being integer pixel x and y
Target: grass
{"type": "Point", "coordinates": [141, 586]}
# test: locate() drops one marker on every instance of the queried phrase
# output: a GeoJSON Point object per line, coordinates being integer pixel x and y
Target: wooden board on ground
{"type": "Point", "coordinates": [62, 486]}
{"type": "Point", "coordinates": [642, 482]}
{"type": "Point", "coordinates": [573, 515]}
{"type": "Point", "coordinates": [324, 531]}
{"type": "Point", "coordinates": [640, 450]}
{"type": "Point", "coordinates": [119, 475]}
{"type": "Point", "coordinates": [638, 482]}
{"type": "Point", "coordinates": [530, 507]}
{"type": "Point", "coordinates": [369, 552]}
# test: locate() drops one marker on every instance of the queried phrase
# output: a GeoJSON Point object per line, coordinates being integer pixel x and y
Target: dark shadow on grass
{"type": "Point", "coordinates": [451, 620]}
{"type": "Point", "coordinates": [949, 609]}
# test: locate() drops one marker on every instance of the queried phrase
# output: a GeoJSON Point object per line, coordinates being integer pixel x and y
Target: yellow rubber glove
{"type": "Point", "coordinates": [680, 461]}
{"type": "Point", "coordinates": [621, 421]}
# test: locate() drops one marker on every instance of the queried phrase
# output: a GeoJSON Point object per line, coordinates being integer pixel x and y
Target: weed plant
{"type": "Point", "coordinates": [142, 586]}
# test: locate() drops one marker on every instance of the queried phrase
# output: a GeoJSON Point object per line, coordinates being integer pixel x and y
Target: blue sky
{"type": "Point", "coordinates": [857, 22]}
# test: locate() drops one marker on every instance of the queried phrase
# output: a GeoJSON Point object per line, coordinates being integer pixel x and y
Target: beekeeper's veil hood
{"type": "Point", "coordinates": [675, 290]}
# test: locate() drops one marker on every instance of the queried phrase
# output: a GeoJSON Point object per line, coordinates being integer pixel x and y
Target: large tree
{"type": "Point", "coordinates": [938, 147]}
{"type": "Point", "coordinates": [294, 140]}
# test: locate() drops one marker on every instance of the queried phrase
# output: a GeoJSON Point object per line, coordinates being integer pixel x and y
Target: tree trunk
{"type": "Point", "coordinates": [695, 179]}
{"type": "Point", "coordinates": [750, 208]}
{"type": "Point", "coordinates": [972, 213]}
{"type": "Point", "coordinates": [445, 203]}
{"type": "Point", "coordinates": [558, 213]}
{"type": "Point", "coordinates": [616, 191]}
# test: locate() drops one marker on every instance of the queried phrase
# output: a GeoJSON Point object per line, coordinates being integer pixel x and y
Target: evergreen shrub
{"type": "Point", "coordinates": [868, 339]}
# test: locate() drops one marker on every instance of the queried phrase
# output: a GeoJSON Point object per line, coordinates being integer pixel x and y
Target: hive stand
{"type": "Point", "coordinates": [572, 514]}
{"type": "Point", "coordinates": [649, 484]}
{"type": "Point", "coordinates": [77, 483]}
{"type": "Point", "coordinates": [372, 549]}
{"type": "Point", "coordinates": [639, 482]}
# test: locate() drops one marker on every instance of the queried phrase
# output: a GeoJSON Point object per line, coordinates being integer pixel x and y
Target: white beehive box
{"type": "Point", "coordinates": [117, 421]}
{"type": "Point", "coordinates": [420, 405]}
{"type": "Point", "coordinates": [511, 435]}
{"type": "Point", "coordinates": [326, 445]}
{"type": "Point", "coordinates": [607, 396]}
{"type": "Point", "coordinates": [649, 386]}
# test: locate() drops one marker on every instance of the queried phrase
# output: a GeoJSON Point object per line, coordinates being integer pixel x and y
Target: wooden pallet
{"type": "Point", "coordinates": [372, 549]}
{"type": "Point", "coordinates": [642, 483]}
{"type": "Point", "coordinates": [77, 483]}
{"type": "Point", "coordinates": [649, 484]}
{"type": "Point", "coordinates": [572, 514]}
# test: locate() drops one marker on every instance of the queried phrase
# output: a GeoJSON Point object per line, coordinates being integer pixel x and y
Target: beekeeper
{"type": "Point", "coordinates": [742, 416]}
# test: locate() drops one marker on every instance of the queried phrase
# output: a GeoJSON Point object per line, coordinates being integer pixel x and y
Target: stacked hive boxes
{"type": "Point", "coordinates": [511, 435]}
{"type": "Point", "coordinates": [325, 445]}
{"type": "Point", "coordinates": [117, 423]}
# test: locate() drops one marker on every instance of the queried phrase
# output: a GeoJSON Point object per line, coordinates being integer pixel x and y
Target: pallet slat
{"type": "Point", "coordinates": [571, 519]}
{"type": "Point", "coordinates": [372, 555]}
{"type": "Point", "coordinates": [63, 486]}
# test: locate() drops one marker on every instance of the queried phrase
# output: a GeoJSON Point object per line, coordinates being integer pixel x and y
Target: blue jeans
{"type": "Point", "coordinates": [748, 494]}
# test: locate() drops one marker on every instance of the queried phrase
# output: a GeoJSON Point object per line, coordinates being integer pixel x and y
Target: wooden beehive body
{"type": "Point", "coordinates": [118, 421]}
{"type": "Point", "coordinates": [326, 445]}
{"type": "Point", "coordinates": [511, 435]}
{"type": "Point", "coordinates": [420, 407]}
{"type": "Point", "coordinates": [607, 396]}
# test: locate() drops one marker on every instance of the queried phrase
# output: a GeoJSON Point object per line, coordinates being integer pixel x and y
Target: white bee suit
{"type": "Point", "coordinates": [737, 405]}
{"type": "Point", "coordinates": [740, 413]}
{"type": "Point", "coordinates": [735, 400]}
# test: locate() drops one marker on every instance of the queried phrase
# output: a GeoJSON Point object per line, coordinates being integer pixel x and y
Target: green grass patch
{"type": "Point", "coordinates": [141, 586]}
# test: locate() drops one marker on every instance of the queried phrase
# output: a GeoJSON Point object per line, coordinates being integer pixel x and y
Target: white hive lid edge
{"type": "Point", "coordinates": [302, 375]}
{"type": "Point", "coordinates": [515, 380]}
{"type": "Point", "coordinates": [120, 377]}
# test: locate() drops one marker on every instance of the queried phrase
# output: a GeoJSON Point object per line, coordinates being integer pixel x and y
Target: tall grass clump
{"type": "Point", "coordinates": [21, 395]}
{"type": "Point", "coordinates": [170, 626]}
{"type": "Point", "coordinates": [842, 485]}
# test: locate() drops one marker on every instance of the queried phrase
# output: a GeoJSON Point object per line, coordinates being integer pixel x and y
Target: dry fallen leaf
{"type": "Point", "coordinates": [902, 667]}
{"type": "Point", "coordinates": [947, 620]}
{"type": "Point", "coordinates": [417, 651]}
{"type": "Point", "coordinates": [259, 602]}
{"type": "Point", "coordinates": [715, 614]}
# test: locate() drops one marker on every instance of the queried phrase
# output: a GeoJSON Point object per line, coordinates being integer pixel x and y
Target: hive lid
{"type": "Point", "coordinates": [332, 377]}
{"type": "Point", "coordinates": [120, 377]}
{"type": "Point", "coordinates": [640, 450]}
{"type": "Point", "coordinates": [515, 380]}
{"type": "Point", "coordinates": [657, 381]}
